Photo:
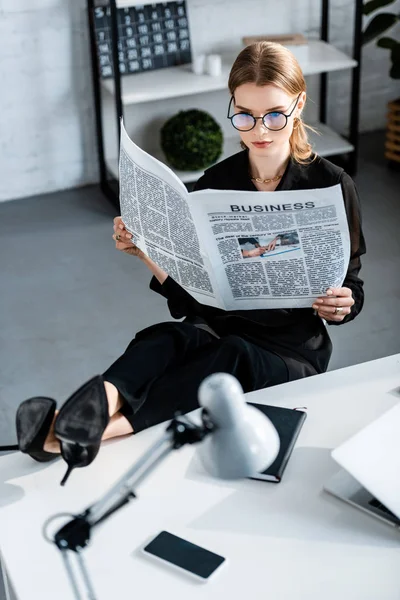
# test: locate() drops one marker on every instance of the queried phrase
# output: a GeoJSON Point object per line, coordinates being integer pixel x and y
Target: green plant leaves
{"type": "Point", "coordinates": [378, 25]}
{"type": "Point", "coordinates": [372, 5]}
{"type": "Point", "coordinates": [395, 56]}
{"type": "Point", "coordinates": [191, 140]}
{"type": "Point", "coordinates": [395, 71]}
{"type": "Point", "coordinates": [386, 42]}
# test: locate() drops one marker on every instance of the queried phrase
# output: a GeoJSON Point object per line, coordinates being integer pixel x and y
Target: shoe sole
{"type": "Point", "coordinates": [73, 421]}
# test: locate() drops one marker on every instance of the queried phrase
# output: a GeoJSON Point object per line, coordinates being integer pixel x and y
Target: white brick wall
{"type": "Point", "coordinates": [47, 139]}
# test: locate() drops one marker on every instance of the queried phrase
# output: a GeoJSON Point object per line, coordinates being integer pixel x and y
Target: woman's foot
{"type": "Point", "coordinates": [52, 444]}
{"type": "Point", "coordinates": [118, 425]}
{"type": "Point", "coordinates": [36, 419]}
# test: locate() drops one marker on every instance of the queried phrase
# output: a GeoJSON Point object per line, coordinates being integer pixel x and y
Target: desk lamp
{"type": "Point", "coordinates": [240, 441]}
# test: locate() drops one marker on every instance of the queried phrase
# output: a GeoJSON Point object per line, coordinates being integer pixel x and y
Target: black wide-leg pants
{"type": "Point", "coordinates": [161, 370]}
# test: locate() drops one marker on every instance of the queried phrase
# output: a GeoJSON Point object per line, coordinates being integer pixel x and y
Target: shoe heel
{"type": "Point", "coordinates": [76, 456]}
{"type": "Point", "coordinates": [80, 425]}
{"type": "Point", "coordinates": [67, 474]}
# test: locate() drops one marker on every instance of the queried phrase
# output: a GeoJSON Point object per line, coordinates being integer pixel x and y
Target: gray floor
{"type": "Point", "coordinates": [70, 302]}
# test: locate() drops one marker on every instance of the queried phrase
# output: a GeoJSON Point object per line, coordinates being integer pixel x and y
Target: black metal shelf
{"type": "Point", "coordinates": [110, 186]}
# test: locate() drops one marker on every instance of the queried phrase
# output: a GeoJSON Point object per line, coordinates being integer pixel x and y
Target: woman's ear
{"type": "Point", "coordinates": [301, 103]}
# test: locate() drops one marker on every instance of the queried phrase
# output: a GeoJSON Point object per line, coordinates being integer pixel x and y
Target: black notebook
{"type": "Point", "coordinates": [288, 423]}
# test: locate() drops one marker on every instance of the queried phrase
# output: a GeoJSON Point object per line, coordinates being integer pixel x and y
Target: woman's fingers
{"type": "Point", "coordinates": [336, 318]}
{"type": "Point", "coordinates": [331, 314]}
{"type": "Point", "coordinates": [335, 298]}
{"type": "Point", "coordinates": [118, 223]}
{"type": "Point", "coordinates": [336, 305]}
{"type": "Point", "coordinates": [122, 236]}
{"type": "Point", "coordinates": [120, 232]}
{"type": "Point", "coordinates": [329, 302]}
{"type": "Point", "coordinates": [118, 226]}
{"type": "Point", "coordinates": [122, 242]}
{"type": "Point", "coordinates": [127, 247]}
{"type": "Point", "coordinates": [123, 239]}
{"type": "Point", "coordinates": [343, 291]}
{"type": "Point", "coordinates": [130, 248]}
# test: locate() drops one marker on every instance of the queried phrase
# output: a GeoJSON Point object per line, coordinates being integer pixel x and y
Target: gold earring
{"type": "Point", "coordinates": [296, 122]}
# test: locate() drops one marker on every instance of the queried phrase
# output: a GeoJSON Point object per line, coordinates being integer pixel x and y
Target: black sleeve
{"type": "Point", "coordinates": [357, 247]}
{"type": "Point", "coordinates": [180, 302]}
{"type": "Point", "coordinates": [204, 183]}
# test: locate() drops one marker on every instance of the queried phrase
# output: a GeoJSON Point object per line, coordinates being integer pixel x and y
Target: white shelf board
{"type": "Point", "coordinates": [327, 144]}
{"type": "Point", "coordinates": [180, 81]}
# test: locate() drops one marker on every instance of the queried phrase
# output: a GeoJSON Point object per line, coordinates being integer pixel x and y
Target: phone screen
{"type": "Point", "coordinates": [184, 554]}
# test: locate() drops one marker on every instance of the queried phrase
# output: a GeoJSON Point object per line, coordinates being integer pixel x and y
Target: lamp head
{"type": "Point", "coordinates": [244, 441]}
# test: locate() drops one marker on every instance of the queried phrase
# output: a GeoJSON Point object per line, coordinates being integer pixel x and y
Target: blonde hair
{"type": "Point", "coordinates": [266, 63]}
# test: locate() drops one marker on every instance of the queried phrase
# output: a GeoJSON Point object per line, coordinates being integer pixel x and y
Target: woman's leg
{"type": "Point", "coordinates": [147, 357]}
{"type": "Point", "coordinates": [177, 389]}
{"type": "Point", "coordinates": [117, 426]}
{"type": "Point", "coordinates": [152, 353]}
{"type": "Point", "coordinates": [114, 398]}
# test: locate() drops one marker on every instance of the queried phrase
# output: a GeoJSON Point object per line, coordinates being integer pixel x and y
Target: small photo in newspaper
{"type": "Point", "coordinates": [269, 245]}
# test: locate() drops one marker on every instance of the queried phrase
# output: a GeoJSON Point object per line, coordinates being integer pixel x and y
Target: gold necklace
{"type": "Point", "coordinates": [259, 180]}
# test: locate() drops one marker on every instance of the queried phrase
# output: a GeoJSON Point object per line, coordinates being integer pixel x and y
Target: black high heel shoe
{"type": "Point", "coordinates": [80, 425]}
{"type": "Point", "coordinates": [33, 421]}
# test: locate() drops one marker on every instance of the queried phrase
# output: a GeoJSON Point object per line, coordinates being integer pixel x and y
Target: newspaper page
{"type": "Point", "coordinates": [155, 210]}
{"type": "Point", "coordinates": [274, 249]}
{"type": "Point", "coordinates": [232, 249]}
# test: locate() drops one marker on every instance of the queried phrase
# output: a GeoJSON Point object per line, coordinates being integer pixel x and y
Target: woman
{"type": "Point", "coordinates": [164, 365]}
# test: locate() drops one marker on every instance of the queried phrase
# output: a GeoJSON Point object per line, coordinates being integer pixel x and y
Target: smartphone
{"type": "Point", "coordinates": [185, 556]}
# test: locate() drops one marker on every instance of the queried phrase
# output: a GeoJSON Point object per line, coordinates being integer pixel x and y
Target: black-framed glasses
{"type": "Point", "coordinates": [274, 120]}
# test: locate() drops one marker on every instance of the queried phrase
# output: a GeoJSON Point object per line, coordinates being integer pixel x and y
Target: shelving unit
{"type": "Point", "coordinates": [328, 143]}
{"type": "Point", "coordinates": [177, 82]}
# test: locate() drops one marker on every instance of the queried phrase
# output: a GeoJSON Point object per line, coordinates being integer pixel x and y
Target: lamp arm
{"type": "Point", "coordinates": [75, 535]}
{"type": "Point", "coordinates": [122, 491]}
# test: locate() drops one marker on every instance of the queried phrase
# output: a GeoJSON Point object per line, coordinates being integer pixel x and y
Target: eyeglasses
{"type": "Point", "coordinates": [274, 121]}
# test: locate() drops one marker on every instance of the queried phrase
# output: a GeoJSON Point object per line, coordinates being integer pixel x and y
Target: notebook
{"type": "Point", "coordinates": [288, 423]}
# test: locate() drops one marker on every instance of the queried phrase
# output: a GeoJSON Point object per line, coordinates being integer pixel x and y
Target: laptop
{"type": "Point", "coordinates": [370, 475]}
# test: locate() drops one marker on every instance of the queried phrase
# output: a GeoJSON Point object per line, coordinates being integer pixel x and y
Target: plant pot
{"type": "Point", "coordinates": [392, 144]}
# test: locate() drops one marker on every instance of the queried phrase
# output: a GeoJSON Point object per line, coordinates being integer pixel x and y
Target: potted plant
{"type": "Point", "coordinates": [191, 140]}
{"type": "Point", "coordinates": [380, 24]}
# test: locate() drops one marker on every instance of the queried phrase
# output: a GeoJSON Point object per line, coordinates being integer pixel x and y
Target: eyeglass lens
{"type": "Point", "coordinates": [245, 122]}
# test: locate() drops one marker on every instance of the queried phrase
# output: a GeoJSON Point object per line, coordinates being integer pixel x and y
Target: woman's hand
{"type": "Point", "coordinates": [123, 239]}
{"type": "Point", "coordinates": [123, 242]}
{"type": "Point", "coordinates": [336, 306]}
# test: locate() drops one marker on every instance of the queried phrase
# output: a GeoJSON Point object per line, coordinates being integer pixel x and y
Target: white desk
{"type": "Point", "coordinates": [283, 541]}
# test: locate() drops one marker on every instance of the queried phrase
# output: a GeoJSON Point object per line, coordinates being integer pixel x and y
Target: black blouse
{"type": "Point", "coordinates": [298, 335]}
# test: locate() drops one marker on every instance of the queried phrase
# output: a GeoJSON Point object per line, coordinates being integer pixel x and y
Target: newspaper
{"type": "Point", "coordinates": [235, 250]}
